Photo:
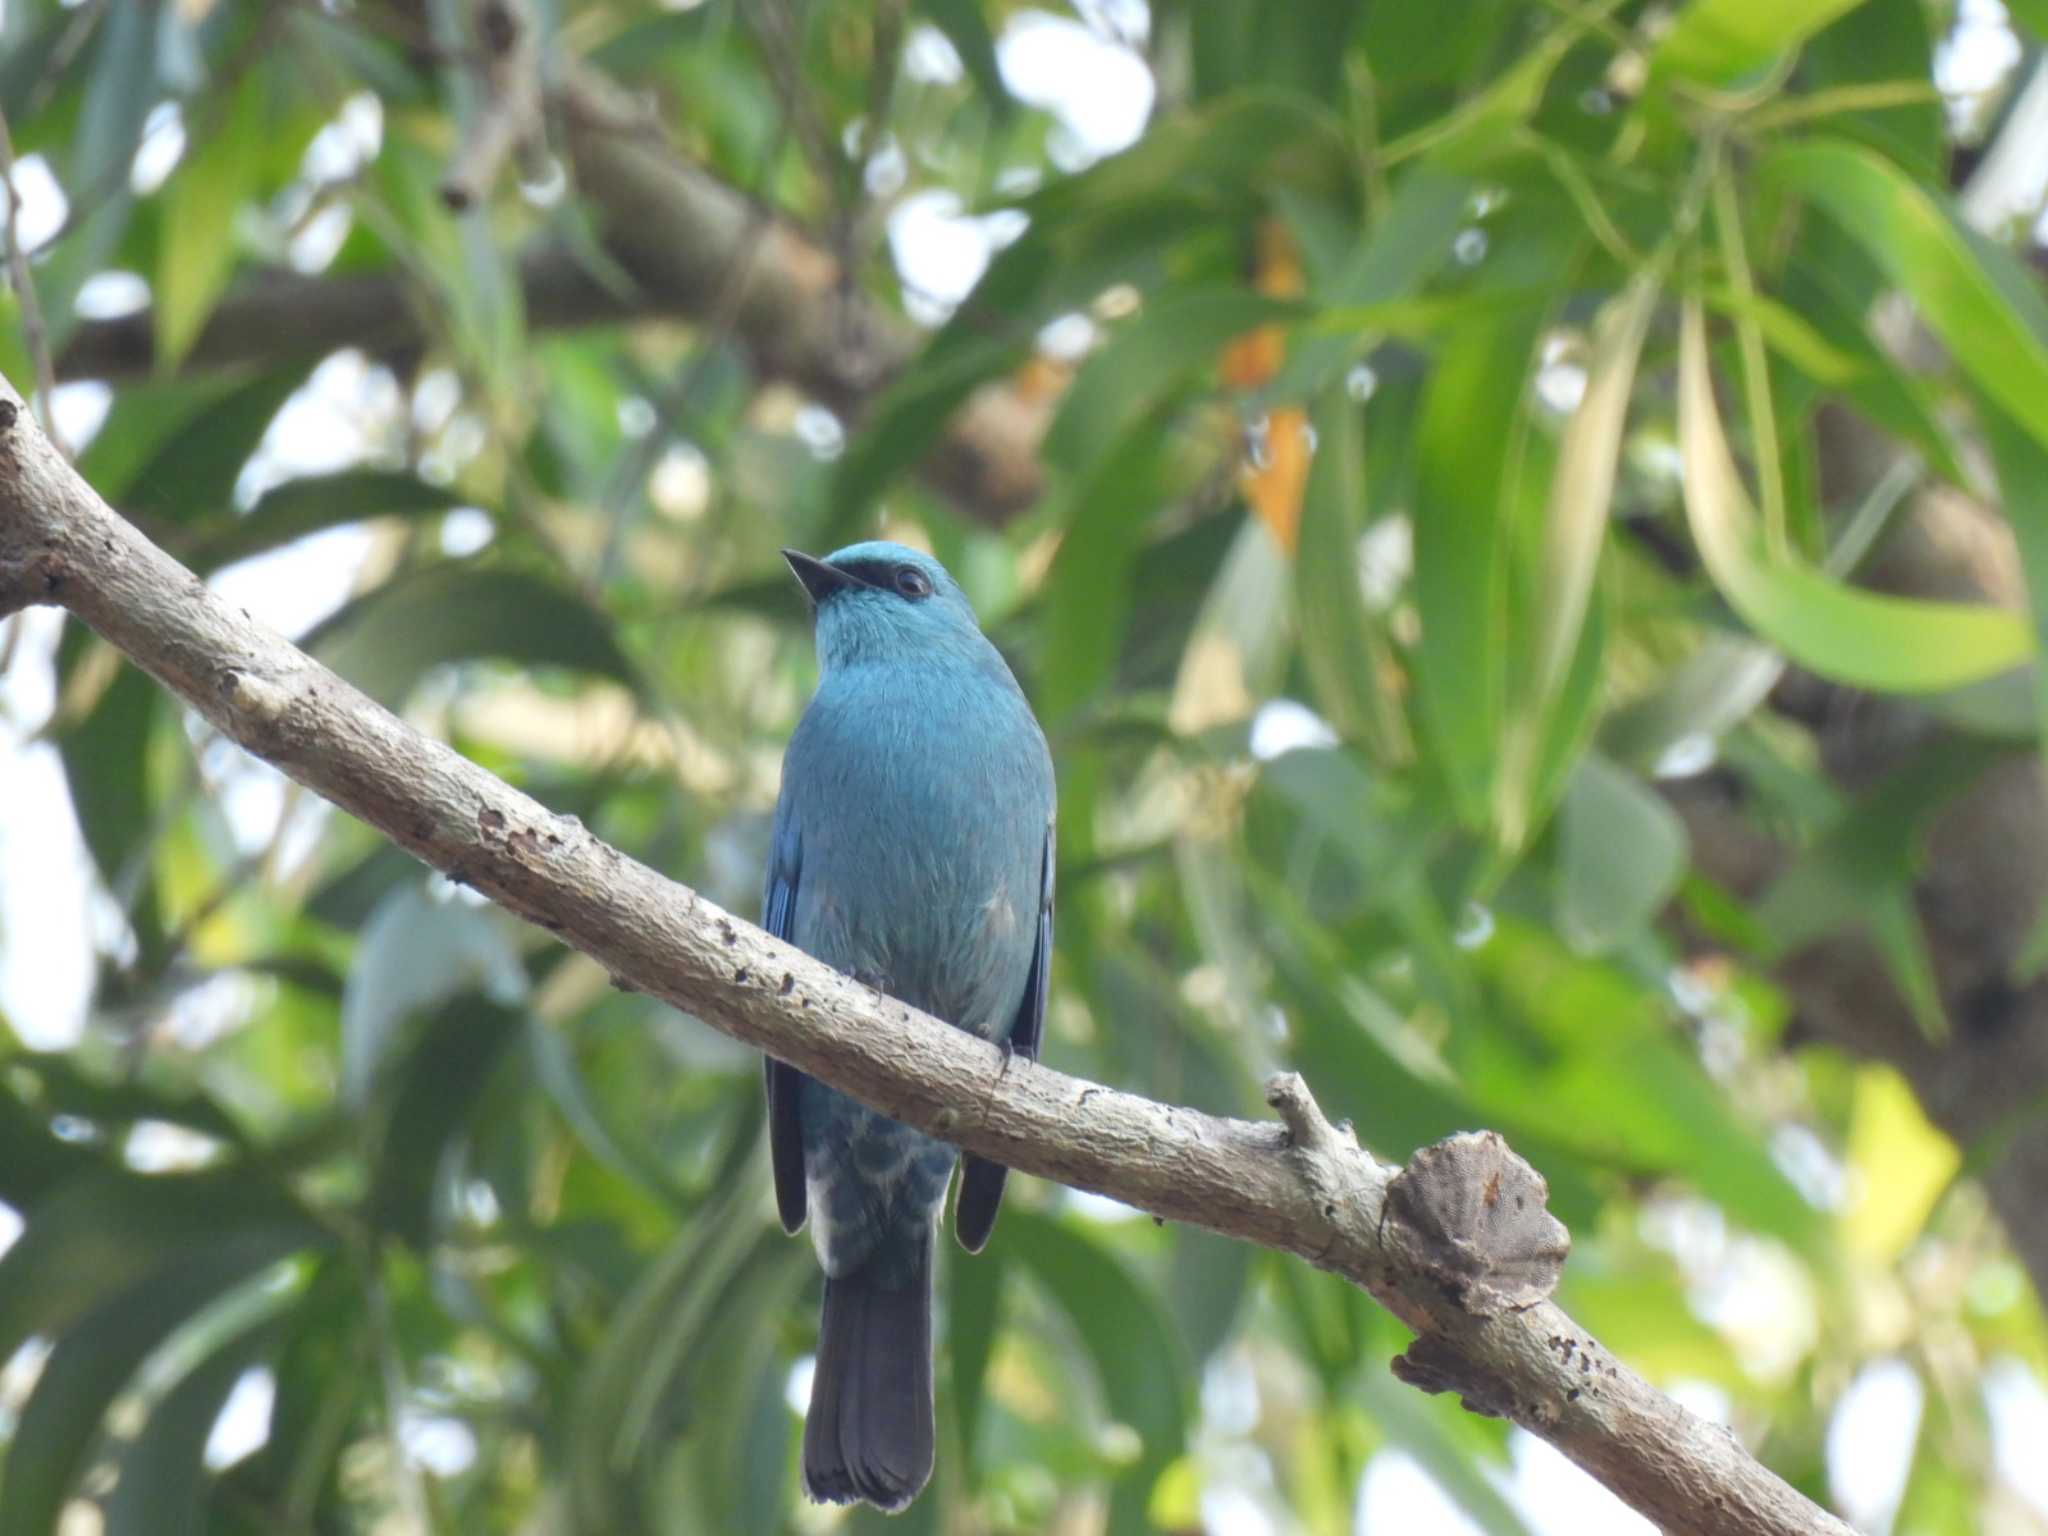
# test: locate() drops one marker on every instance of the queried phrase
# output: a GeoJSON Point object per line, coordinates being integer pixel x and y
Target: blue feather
{"type": "Point", "coordinates": [912, 849]}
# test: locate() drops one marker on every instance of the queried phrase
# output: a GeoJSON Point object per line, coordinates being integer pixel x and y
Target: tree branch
{"type": "Point", "coordinates": [678, 231]}
{"type": "Point", "coordinates": [1458, 1244]}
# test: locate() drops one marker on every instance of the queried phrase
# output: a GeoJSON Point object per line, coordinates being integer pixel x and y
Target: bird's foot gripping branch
{"type": "Point", "coordinates": [1458, 1244]}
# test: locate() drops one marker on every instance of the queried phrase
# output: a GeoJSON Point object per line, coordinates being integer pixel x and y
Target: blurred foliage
{"type": "Point", "coordinates": [1396, 540]}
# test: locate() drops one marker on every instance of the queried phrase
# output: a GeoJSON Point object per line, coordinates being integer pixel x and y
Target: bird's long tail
{"type": "Point", "coordinates": [868, 1434]}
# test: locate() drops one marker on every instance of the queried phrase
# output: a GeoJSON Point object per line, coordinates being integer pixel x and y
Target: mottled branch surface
{"type": "Point", "coordinates": [1458, 1244]}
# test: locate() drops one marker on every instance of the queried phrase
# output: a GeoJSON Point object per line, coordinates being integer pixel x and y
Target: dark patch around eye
{"type": "Point", "coordinates": [875, 573]}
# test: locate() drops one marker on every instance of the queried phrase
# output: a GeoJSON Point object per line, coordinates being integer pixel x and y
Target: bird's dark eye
{"type": "Point", "coordinates": [913, 583]}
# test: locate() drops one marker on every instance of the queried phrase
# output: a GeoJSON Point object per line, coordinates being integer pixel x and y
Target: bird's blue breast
{"type": "Point", "coordinates": [922, 798]}
{"type": "Point", "coordinates": [924, 802]}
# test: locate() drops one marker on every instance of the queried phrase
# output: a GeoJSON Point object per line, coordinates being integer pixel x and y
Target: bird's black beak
{"type": "Point", "coordinates": [820, 580]}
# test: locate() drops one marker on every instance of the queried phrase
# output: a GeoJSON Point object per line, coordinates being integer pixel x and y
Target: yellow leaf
{"type": "Point", "coordinates": [1901, 1165]}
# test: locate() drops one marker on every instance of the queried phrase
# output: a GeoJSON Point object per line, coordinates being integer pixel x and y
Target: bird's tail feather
{"type": "Point", "coordinates": [869, 1431]}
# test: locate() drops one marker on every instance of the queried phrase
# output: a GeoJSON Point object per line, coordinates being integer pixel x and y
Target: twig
{"type": "Point", "coordinates": [33, 331]}
{"type": "Point", "coordinates": [1458, 1245]}
{"type": "Point", "coordinates": [507, 118]}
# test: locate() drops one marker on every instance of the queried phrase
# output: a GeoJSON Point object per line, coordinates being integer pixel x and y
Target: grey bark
{"type": "Point", "coordinates": [1458, 1244]}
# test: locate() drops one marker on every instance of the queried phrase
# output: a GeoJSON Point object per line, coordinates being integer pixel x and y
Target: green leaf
{"type": "Point", "coordinates": [120, 81]}
{"type": "Point", "coordinates": [966, 28]}
{"type": "Point", "coordinates": [1720, 41]}
{"type": "Point", "coordinates": [1231, 150]}
{"type": "Point", "coordinates": [312, 503]}
{"type": "Point", "coordinates": [1621, 851]}
{"type": "Point", "coordinates": [1470, 418]}
{"type": "Point", "coordinates": [1346, 649]}
{"type": "Point", "coordinates": [974, 1302]}
{"type": "Point", "coordinates": [1875, 42]}
{"type": "Point", "coordinates": [196, 252]}
{"type": "Point", "coordinates": [196, 459]}
{"type": "Point", "coordinates": [108, 1230]}
{"type": "Point", "coordinates": [439, 1085]}
{"type": "Point", "coordinates": [2022, 466]}
{"type": "Point", "coordinates": [1970, 293]}
{"type": "Point", "coordinates": [161, 1487]}
{"type": "Point", "coordinates": [1863, 638]}
{"type": "Point", "coordinates": [1148, 359]}
{"type": "Point", "coordinates": [1791, 336]}
{"type": "Point", "coordinates": [1138, 1366]}
{"type": "Point", "coordinates": [1090, 593]}
{"type": "Point", "coordinates": [1575, 519]}
{"type": "Point", "coordinates": [555, 1067]}
{"type": "Point", "coordinates": [414, 955]}
{"type": "Point", "coordinates": [106, 765]}
{"type": "Point", "coordinates": [1590, 1061]}
{"type": "Point", "coordinates": [52, 1445]}
{"type": "Point", "coordinates": [387, 640]}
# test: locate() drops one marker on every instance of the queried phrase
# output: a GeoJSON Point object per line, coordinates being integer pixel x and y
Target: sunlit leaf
{"type": "Point", "coordinates": [1575, 522]}
{"type": "Point", "coordinates": [1956, 283]}
{"type": "Point", "coordinates": [1469, 423]}
{"type": "Point", "coordinates": [1901, 1165]}
{"type": "Point", "coordinates": [1722, 40]}
{"type": "Point", "coordinates": [197, 252]}
{"type": "Point", "coordinates": [1864, 638]}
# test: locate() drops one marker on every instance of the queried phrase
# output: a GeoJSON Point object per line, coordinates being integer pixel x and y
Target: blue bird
{"type": "Point", "coordinates": [913, 849]}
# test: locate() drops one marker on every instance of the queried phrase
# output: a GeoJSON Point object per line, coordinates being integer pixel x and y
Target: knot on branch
{"type": "Point", "coordinates": [29, 582]}
{"type": "Point", "coordinates": [1327, 1156]}
{"type": "Point", "coordinates": [1471, 1217]}
{"type": "Point", "coordinates": [1433, 1366]}
{"type": "Point", "coordinates": [258, 700]}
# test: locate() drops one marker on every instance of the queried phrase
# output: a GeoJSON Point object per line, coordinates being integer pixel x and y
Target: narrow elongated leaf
{"type": "Point", "coordinates": [1138, 1366]}
{"type": "Point", "coordinates": [444, 1076]}
{"type": "Point", "coordinates": [52, 1444]}
{"type": "Point", "coordinates": [387, 641]}
{"type": "Point", "coordinates": [1442, 1442]}
{"type": "Point", "coordinates": [312, 503]}
{"type": "Point", "coordinates": [2022, 465]}
{"type": "Point", "coordinates": [1468, 425]}
{"type": "Point", "coordinates": [1863, 638]}
{"type": "Point", "coordinates": [191, 470]}
{"type": "Point", "coordinates": [414, 955]}
{"type": "Point", "coordinates": [966, 28]}
{"type": "Point", "coordinates": [1148, 359]}
{"type": "Point", "coordinates": [1346, 648]}
{"type": "Point", "coordinates": [1967, 291]}
{"type": "Point", "coordinates": [161, 1488]}
{"type": "Point", "coordinates": [196, 253]}
{"type": "Point", "coordinates": [1091, 589]}
{"type": "Point", "coordinates": [118, 96]}
{"type": "Point", "coordinates": [1621, 851]}
{"type": "Point", "coordinates": [974, 1298]}
{"type": "Point", "coordinates": [1596, 1066]}
{"type": "Point", "coordinates": [106, 764]}
{"type": "Point", "coordinates": [108, 1230]}
{"type": "Point", "coordinates": [1575, 519]}
{"type": "Point", "coordinates": [1720, 41]}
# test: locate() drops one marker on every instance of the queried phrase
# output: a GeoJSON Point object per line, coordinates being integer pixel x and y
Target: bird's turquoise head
{"type": "Point", "coordinates": [879, 602]}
